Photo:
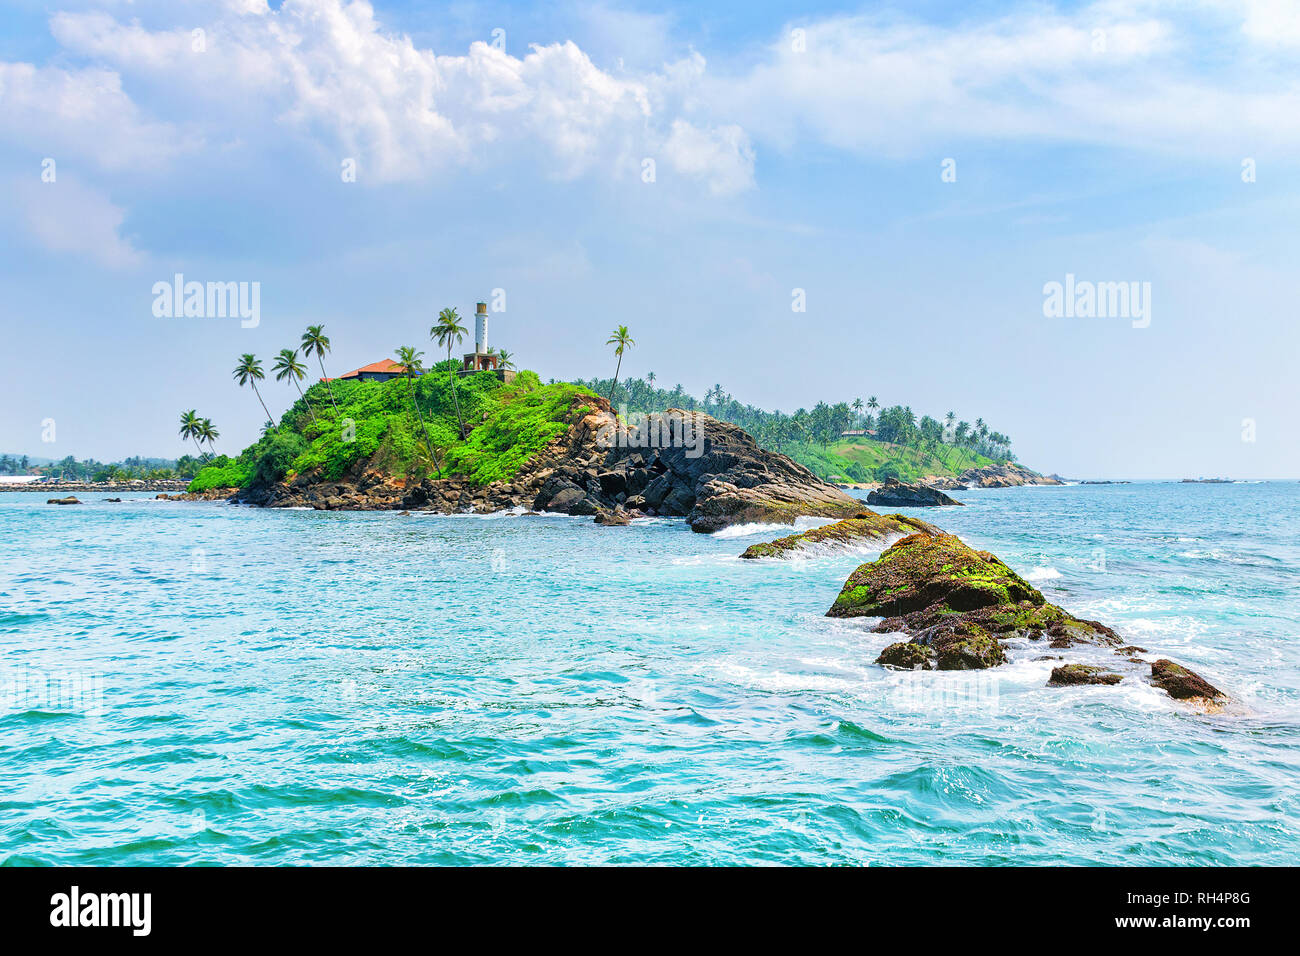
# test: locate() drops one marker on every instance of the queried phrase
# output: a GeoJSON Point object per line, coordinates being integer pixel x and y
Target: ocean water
{"type": "Point", "coordinates": [201, 683]}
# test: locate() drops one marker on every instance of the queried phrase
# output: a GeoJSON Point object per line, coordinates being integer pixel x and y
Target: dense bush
{"type": "Point", "coordinates": [377, 422]}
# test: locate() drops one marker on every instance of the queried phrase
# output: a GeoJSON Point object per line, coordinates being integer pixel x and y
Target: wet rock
{"type": "Point", "coordinates": [895, 494]}
{"type": "Point", "coordinates": [615, 518]}
{"type": "Point", "coordinates": [907, 655]}
{"type": "Point", "coordinates": [1070, 674]}
{"type": "Point", "coordinates": [1182, 684]}
{"type": "Point", "coordinates": [959, 602]}
{"type": "Point", "coordinates": [864, 526]}
{"type": "Point", "coordinates": [70, 500]}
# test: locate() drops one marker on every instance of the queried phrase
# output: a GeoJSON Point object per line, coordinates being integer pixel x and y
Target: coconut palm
{"type": "Point", "coordinates": [249, 372]}
{"type": "Point", "coordinates": [504, 361]}
{"type": "Point", "coordinates": [448, 331]}
{"type": "Point", "coordinates": [316, 342]}
{"type": "Point", "coordinates": [410, 361]}
{"type": "Point", "coordinates": [621, 339]}
{"type": "Point", "coordinates": [287, 366]}
{"type": "Point", "coordinates": [190, 428]}
{"type": "Point", "coordinates": [872, 404]}
{"type": "Point", "coordinates": [857, 408]}
{"type": "Point", "coordinates": [208, 434]}
{"type": "Point", "coordinates": [650, 377]}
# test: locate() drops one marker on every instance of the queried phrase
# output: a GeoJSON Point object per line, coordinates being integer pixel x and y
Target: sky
{"type": "Point", "coordinates": [915, 176]}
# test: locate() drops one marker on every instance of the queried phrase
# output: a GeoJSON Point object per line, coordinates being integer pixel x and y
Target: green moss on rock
{"type": "Point", "coordinates": [866, 525]}
{"type": "Point", "coordinates": [1071, 674]}
{"type": "Point", "coordinates": [957, 603]}
{"type": "Point", "coordinates": [1181, 683]}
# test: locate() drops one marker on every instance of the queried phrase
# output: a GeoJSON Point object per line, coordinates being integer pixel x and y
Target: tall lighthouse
{"type": "Point", "coordinates": [480, 328]}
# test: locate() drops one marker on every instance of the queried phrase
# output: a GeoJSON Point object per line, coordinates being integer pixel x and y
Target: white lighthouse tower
{"type": "Point", "coordinates": [481, 328]}
{"type": "Point", "coordinates": [481, 359]}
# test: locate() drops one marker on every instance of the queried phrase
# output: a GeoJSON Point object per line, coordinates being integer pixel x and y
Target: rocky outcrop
{"type": "Point", "coordinates": [70, 500]}
{"type": "Point", "coordinates": [894, 494]}
{"type": "Point", "coordinates": [862, 527]}
{"type": "Point", "coordinates": [957, 604]}
{"type": "Point", "coordinates": [1071, 674]}
{"type": "Point", "coordinates": [613, 519]}
{"type": "Point", "coordinates": [677, 464]}
{"type": "Point", "coordinates": [1182, 684]}
{"type": "Point", "coordinates": [133, 484]}
{"type": "Point", "coordinates": [1006, 475]}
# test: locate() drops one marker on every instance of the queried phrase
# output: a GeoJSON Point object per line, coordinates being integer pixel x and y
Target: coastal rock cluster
{"type": "Point", "coordinates": [1005, 475]}
{"type": "Point", "coordinates": [678, 464]}
{"type": "Point", "coordinates": [958, 606]}
{"type": "Point", "coordinates": [863, 527]}
{"type": "Point", "coordinates": [964, 609]}
{"type": "Point", "coordinates": [894, 494]}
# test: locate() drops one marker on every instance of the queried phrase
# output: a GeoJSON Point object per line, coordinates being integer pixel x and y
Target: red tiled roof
{"type": "Point", "coordinates": [383, 365]}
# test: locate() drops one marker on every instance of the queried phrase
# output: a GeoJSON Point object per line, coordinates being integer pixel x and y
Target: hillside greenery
{"type": "Point", "coordinates": [903, 446]}
{"type": "Point", "coordinates": [386, 423]}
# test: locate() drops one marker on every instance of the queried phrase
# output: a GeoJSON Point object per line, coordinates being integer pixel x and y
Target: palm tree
{"type": "Point", "coordinates": [504, 361]}
{"type": "Point", "coordinates": [249, 372]}
{"type": "Point", "coordinates": [872, 404]}
{"type": "Point", "coordinates": [190, 428]}
{"type": "Point", "coordinates": [409, 359]}
{"type": "Point", "coordinates": [208, 434]}
{"type": "Point", "coordinates": [448, 331]}
{"type": "Point", "coordinates": [857, 407]}
{"type": "Point", "coordinates": [288, 366]}
{"type": "Point", "coordinates": [315, 341]}
{"type": "Point", "coordinates": [621, 339]}
{"type": "Point", "coordinates": [650, 377]}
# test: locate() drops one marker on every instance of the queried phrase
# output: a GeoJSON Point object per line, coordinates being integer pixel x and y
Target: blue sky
{"type": "Point", "coordinates": [1103, 140]}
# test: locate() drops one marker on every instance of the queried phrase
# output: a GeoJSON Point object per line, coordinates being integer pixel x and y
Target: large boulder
{"type": "Point", "coordinates": [894, 494]}
{"type": "Point", "coordinates": [1182, 684]}
{"type": "Point", "coordinates": [70, 500]}
{"type": "Point", "coordinates": [864, 526]}
{"type": "Point", "coordinates": [685, 462]}
{"type": "Point", "coordinates": [959, 603]}
{"type": "Point", "coordinates": [1071, 674]}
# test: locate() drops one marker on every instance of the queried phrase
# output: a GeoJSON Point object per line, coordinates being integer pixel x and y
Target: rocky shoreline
{"type": "Point", "coordinates": [962, 609]}
{"type": "Point", "coordinates": [138, 486]}
{"type": "Point", "coordinates": [692, 466]}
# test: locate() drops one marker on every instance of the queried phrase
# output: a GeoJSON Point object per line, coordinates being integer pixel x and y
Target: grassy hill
{"type": "Point", "coordinates": [865, 459]}
{"type": "Point", "coordinates": [385, 423]}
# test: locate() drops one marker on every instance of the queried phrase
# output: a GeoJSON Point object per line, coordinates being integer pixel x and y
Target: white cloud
{"type": "Point", "coordinates": [68, 218]}
{"type": "Point", "coordinates": [84, 112]}
{"type": "Point", "coordinates": [327, 68]}
{"type": "Point", "coordinates": [722, 157]}
{"type": "Point", "coordinates": [1145, 75]}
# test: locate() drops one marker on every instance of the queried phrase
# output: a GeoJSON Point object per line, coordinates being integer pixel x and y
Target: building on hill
{"type": "Point", "coordinates": [380, 371]}
{"type": "Point", "coordinates": [483, 359]}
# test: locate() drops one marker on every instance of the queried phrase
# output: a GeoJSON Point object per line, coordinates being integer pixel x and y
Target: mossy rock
{"type": "Point", "coordinates": [1180, 683]}
{"type": "Point", "coordinates": [924, 570]}
{"type": "Point", "coordinates": [864, 526]}
{"type": "Point", "coordinates": [907, 655]}
{"type": "Point", "coordinates": [958, 603]}
{"type": "Point", "coordinates": [1072, 674]}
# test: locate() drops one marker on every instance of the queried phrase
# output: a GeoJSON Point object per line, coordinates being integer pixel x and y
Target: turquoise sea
{"type": "Point", "coordinates": [201, 683]}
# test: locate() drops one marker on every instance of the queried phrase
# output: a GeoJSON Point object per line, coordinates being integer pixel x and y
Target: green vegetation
{"type": "Point", "coordinates": [893, 442]}
{"type": "Point", "coordinates": [385, 423]}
